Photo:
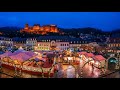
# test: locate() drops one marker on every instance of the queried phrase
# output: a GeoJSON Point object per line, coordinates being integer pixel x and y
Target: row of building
{"type": "Point", "coordinates": [54, 42]}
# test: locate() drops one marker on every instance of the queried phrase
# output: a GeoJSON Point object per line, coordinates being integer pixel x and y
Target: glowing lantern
{"type": "Point", "coordinates": [92, 62]}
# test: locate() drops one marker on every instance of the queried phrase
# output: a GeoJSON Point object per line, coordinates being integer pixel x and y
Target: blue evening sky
{"type": "Point", "coordinates": [106, 21]}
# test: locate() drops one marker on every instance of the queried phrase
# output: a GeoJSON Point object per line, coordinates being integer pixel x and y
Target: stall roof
{"type": "Point", "coordinates": [99, 58]}
{"type": "Point", "coordinates": [89, 54]}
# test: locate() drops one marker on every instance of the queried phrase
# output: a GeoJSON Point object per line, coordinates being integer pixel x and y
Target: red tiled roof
{"type": "Point", "coordinates": [83, 53]}
{"type": "Point", "coordinates": [89, 54]}
{"type": "Point", "coordinates": [99, 58]}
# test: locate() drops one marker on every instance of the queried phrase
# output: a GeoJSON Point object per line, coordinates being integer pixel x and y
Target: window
{"type": "Point", "coordinates": [116, 45]}
{"type": "Point", "coordinates": [112, 45]}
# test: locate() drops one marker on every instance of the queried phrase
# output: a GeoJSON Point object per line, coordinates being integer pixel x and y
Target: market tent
{"type": "Point", "coordinates": [82, 53]}
{"type": "Point", "coordinates": [99, 58]}
{"type": "Point", "coordinates": [19, 51]}
{"type": "Point", "coordinates": [30, 53]}
{"type": "Point", "coordinates": [7, 54]}
{"type": "Point", "coordinates": [20, 57]}
{"type": "Point", "coordinates": [89, 55]}
{"type": "Point", "coordinates": [40, 58]}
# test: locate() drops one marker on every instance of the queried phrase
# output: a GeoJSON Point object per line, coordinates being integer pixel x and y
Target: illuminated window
{"type": "Point", "coordinates": [116, 45]}
{"type": "Point", "coordinates": [113, 45]}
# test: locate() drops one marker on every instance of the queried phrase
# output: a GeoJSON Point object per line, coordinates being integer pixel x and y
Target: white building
{"type": "Point", "coordinates": [58, 43]}
{"type": "Point", "coordinates": [47, 45]}
{"type": "Point", "coordinates": [76, 44]}
{"type": "Point", "coordinates": [62, 45]}
{"type": "Point", "coordinates": [6, 41]}
{"type": "Point", "coordinates": [31, 43]}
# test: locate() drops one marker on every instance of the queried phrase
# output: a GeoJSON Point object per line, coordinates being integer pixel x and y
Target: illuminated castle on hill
{"type": "Point", "coordinates": [37, 29]}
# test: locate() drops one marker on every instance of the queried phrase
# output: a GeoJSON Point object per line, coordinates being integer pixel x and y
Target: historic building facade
{"type": "Point", "coordinates": [19, 42]}
{"type": "Point", "coordinates": [59, 43]}
{"type": "Point", "coordinates": [114, 42]}
{"type": "Point", "coordinates": [51, 45]}
{"type": "Point", "coordinates": [37, 29]}
{"type": "Point", "coordinates": [46, 43]}
{"type": "Point", "coordinates": [6, 41]}
{"type": "Point", "coordinates": [114, 45]}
